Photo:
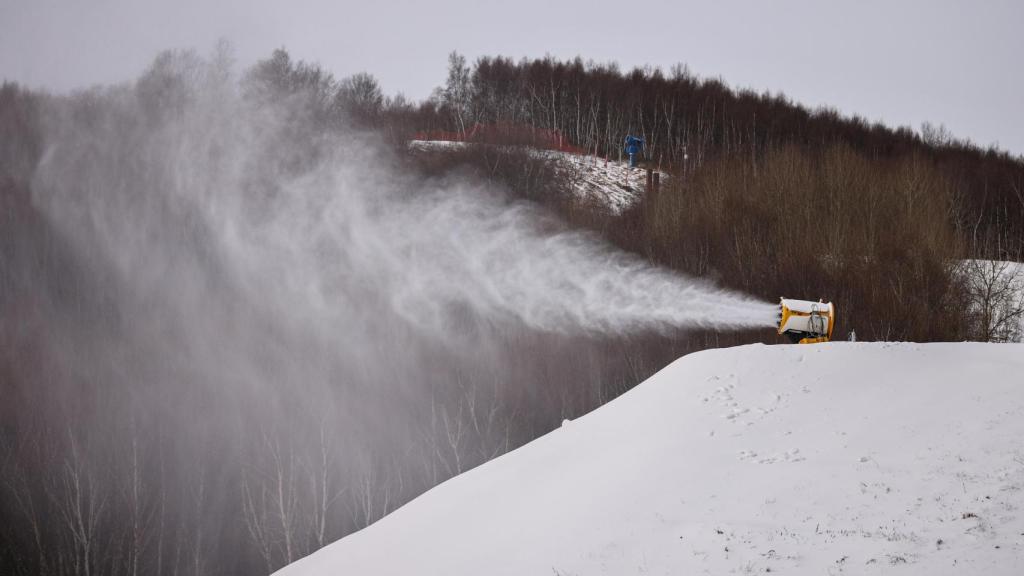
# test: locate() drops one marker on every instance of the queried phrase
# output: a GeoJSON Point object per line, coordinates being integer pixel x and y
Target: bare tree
{"type": "Point", "coordinates": [371, 493]}
{"type": "Point", "coordinates": [995, 299]}
{"type": "Point", "coordinates": [76, 494]}
{"type": "Point", "coordinates": [323, 487]}
{"type": "Point", "coordinates": [270, 499]}
{"type": "Point", "coordinates": [457, 92]}
{"type": "Point", "coordinates": [16, 481]}
{"type": "Point", "coordinates": [361, 98]}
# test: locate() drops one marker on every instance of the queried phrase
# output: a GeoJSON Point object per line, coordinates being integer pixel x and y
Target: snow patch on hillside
{"type": "Point", "coordinates": [613, 185]}
{"type": "Point", "coordinates": [862, 458]}
{"type": "Point", "coordinates": [436, 145]}
{"type": "Point", "coordinates": [609, 184]}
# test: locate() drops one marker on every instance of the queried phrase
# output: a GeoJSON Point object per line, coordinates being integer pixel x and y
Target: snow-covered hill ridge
{"type": "Point", "coordinates": [859, 458]}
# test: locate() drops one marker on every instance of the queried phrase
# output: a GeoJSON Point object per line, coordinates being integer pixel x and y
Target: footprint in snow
{"type": "Point", "coordinates": [736, 413]}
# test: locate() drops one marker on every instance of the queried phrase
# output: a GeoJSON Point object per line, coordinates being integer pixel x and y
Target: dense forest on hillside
{"type": "Point", "coordinates": [132, 442]}
{"type": "Point", "coordinates": [688, 122]}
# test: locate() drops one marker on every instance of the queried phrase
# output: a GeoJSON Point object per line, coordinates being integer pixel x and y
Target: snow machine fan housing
{"type": "Point", "coordinates": [806, 322]}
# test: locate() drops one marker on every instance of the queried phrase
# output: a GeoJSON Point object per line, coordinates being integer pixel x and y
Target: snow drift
{"type": "Point", "coordinates": [838, 458]}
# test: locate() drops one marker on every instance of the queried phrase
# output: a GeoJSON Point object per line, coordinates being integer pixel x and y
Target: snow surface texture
{"type": "Point", "coordinates": [613, 185]}
{"type": "Point", "coordinates": [859, 458]}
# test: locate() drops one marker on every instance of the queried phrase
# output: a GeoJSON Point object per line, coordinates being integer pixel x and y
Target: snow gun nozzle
{"type": "Point", "coordinates": [806, 321]}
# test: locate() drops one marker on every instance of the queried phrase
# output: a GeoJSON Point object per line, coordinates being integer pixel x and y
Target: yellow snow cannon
{"type": "Point", "coordinates": [806, 322]}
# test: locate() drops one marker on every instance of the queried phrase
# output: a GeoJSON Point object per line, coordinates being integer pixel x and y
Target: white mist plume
{"type": "Point", "coordinates": [451, 247]}
{"type": "Point", "coordinates": [242, 283]}
{"type": "Point", "coordinates": [349, 227]}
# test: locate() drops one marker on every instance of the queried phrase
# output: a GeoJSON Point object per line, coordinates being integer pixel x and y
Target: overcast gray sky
{"type": "Point", "coordinates": [903, 62]}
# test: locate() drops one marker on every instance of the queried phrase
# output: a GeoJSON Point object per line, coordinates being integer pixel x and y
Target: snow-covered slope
{"type": "Point", "coordinates": [859, 458]}
{"type": "Point", "coordinates": [611, 184]}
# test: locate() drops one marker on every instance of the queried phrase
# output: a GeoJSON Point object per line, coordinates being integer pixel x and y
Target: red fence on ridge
{"type": "Point", "coordinates": [506, 134]}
